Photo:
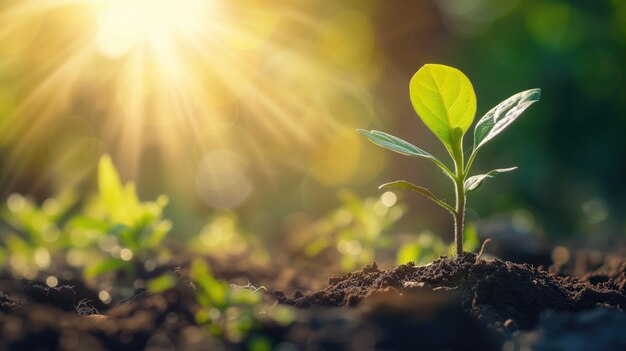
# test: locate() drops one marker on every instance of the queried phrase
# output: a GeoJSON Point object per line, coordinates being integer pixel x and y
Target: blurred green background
{"type": "Point", "coordinates": [252, 105]}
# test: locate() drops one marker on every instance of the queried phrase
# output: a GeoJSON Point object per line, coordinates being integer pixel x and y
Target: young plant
{"type": "Point", "coordinates": [128, 231]}
{"type": "Point", "coordinates": [33, 235]}
{"type": "Point", "coordinates": [227, 310]}
{"type": "Point", "coordinates": [444, 99]}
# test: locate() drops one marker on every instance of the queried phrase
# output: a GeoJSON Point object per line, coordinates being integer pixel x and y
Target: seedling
{"type": "Point", "coordinates": [232, 311]}
{"type": "Point", "coordinates": [228, 310]}
{"type": "Point", "coordinates": [444, 99]}
{"type": "Point", "coordinates": [128, 230]}
{"type": "Point", "coordinates": [34, 234]}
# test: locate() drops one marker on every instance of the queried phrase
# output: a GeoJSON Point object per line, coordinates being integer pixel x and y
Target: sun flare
{"type": "Point", "coordinates": [184, 80]}
{"type": "Point", "coordinates": [125, 24]}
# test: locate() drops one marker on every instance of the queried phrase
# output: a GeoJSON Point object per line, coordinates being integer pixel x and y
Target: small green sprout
{"type": "Point", "coordinates": [32, 235]}
{"type": "Point", "coordinates": [128, 231]}
{"type": "Point", "coordinates": [444, 99]}
{"type": "Point", "coordinates": [235, 312]}
{"type": "Point", "coordinates": [227, 310]}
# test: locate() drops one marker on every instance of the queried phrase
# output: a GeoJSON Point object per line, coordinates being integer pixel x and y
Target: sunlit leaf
{"type": "Point", "coordinates": [444, 99]}
{"type": "Point", "coordinates": [131, 204]}
{"type": "Point", "coordinates": [472, 183]}
{"type": "Point", "coordinates": [244, 296]}
{"type": "Point", "coordinates": [109, 184]}
{"type": "Point", "coordinates": [110, 265]}
{"type": "Point", "coordinates": [156, 234]}
{"type": "Point", "coordinates": [402, 184]}
{"type": "Point", "coordinates": [396, 144]}
{"type": "Point", "coordinates": [501, 116]}
{"type": "Point", "coordinates": [87, 223]}
{"type": "Point", "coordinates": [161, 283]}
{"type": "Point", "coordinates": [214, 291]}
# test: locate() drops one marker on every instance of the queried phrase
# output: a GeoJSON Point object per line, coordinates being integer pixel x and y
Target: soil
{"type": "Point", "coordinates": [505, 295]}
{"type": "Point", "coordinates": [465, 303]}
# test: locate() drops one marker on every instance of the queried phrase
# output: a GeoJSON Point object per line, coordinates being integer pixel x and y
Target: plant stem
{"type": "Point", "coordinates": [459, 215]}
{"type": "Point", "coordinates": [459, 191]}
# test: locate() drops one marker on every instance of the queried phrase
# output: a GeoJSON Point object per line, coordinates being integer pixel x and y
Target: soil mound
{"type": "Point", "coordinates": [503, 294]}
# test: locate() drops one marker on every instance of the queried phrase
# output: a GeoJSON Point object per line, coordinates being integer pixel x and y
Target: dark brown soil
{"type": "Point", "coordinates": [53, 319]}
{"type": "Point", "coordinates": [505, 295]}
{"type": "Point", "coordinates": [8, 303]}
{"type": "Point", "coordinates": [452, 304]}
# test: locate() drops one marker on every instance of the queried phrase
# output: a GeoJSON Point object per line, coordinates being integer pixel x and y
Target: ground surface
{"type": "Point", "coordinates": [465, 303]}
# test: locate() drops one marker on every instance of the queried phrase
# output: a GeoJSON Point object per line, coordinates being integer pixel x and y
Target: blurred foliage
{"type": "Point", "coordinates": [354, 231]}
{"type": "Point", "coordinates": [223, 238]}
{"type": "Point", "coordinates": [111, 232]}
{"type": "Point", "coordinates": [427, 246]}
{"type": "Point", "coordinates": [161, 283]}
{"type": "Point", "coordinates": [33, 235]}
{"type": "Point", "coordinates": [127, 232]}
{"type": "Point", "coordinates": [232, 311]}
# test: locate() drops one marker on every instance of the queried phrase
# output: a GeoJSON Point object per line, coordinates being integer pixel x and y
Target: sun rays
{"type": "Point", "coordinates": [180, 80]}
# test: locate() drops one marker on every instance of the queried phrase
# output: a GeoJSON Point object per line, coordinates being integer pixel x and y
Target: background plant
{"type": "Point", "coordinates": [128, 232]}
{"type": "Point", "coordinates": [355, 231]}
{"type": "Point", "coordinates": [444, 99]}
{"type": "Point", "coordinates": [224, 238]}
{"type": "Point", "coordinates": [232, 311]}
{"type": "Point", "coordinates": [34, 236]}
{"type": "Point", "coordinates": [426, 246]}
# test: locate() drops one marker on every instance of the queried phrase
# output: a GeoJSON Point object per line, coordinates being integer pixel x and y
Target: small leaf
{"type": "Point", "coordinates": [501, 116]}
{"type": "Point", "coordinates": [444, 99]}
{"type": "Point", "coordinates": [402, 184]}
{"type": "Point", "coordinates": [396, 144]}
{"type": "Point", "coordinates": [472, 183]}
{"type": "Point", "coordinates": [109, 265]}
{"type": "Point", "coordinates": [86, 223]}
{"type": "Point", "coordinates": [109, 184]}
{"type": "Point", "coordinates": [162, 283]}
{"type": "Point", "coordinates": [214, 291]}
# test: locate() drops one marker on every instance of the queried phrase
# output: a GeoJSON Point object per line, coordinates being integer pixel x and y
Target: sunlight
{"type": "Point", "coordinates": [126, 23]}
{"type": "Point", "coordinates": [181, 79]}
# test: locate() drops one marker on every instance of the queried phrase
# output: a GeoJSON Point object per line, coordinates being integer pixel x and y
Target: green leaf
{"type": "Point", "coordinates": [214, 291]}
{"type": "Point", "coordinates": [86, 223]}
{"type": "Point", "coordinates": [109, 265]}
{"type": "Point", "coordinates": [109, 184]}
{"type": "Point", "coordinates": [444, 99]}
{"type": "Point", "coordinates": [162, 283]}
{"type": "Point", "coordinates": [501, 116]}
{"type": "Point", "coordinates": [402, 184]}
{"type": "Point", "coordinates": [472, 183]}
{"type": "Point", "coordinates": [396, 144]}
